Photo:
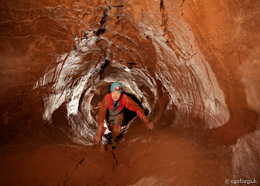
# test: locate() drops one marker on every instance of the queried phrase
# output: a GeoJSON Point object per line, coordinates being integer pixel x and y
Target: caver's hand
{"type": "Point", "coordinates": [150, 125]}
{"type": "Point", "coordinates": [99, 134]}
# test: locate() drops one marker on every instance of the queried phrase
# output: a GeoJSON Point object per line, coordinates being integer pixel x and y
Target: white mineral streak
{"type": "Point", "coordinates": [61, 77]}
{"type": "Point", "coordinates": [65, 88]}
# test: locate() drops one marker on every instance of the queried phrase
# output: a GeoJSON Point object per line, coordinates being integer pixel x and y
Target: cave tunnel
{"type": "Point", "coordinates": [193, 66]}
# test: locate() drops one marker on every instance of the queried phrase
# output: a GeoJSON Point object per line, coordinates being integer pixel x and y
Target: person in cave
{"type": "Point", "coordinates": [114, 102]}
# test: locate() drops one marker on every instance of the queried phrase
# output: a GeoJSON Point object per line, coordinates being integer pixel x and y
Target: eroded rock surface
{"type": "Point", "coordinates": [192, 64]}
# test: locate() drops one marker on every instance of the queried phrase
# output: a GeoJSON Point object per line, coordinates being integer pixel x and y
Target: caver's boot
{"type": "Point", "coordinates": [114, 144]}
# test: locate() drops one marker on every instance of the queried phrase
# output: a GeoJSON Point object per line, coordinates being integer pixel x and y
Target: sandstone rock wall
{"type": "Point", "coordinates": [193, 64]}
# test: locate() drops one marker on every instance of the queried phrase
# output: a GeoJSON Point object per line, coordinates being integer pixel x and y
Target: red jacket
{"type": "Point", "coordinates": [125, 101]}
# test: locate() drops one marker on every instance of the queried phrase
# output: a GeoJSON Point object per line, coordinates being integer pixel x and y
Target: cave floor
{"type": "Point", "coordinates": [142, 157]}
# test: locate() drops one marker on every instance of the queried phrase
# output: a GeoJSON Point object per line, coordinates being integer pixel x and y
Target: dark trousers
{"type": "Point", "coordinates": [115, 120]}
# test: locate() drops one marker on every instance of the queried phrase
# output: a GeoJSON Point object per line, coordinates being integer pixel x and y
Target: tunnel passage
{"type": "Point", "coordinates": [189, 66]}
{"type": "Point", "coordinates": [165, 76]}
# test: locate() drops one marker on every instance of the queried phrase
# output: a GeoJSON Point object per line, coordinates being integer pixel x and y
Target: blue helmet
{"type": "Point", "coordinates": [116, 86]}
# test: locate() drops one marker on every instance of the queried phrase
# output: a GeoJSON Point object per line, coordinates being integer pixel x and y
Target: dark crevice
{"type": "Point", "coordinates": [118, 6]}
{"type": "Point", "coordinates": [114, 157]}
{"type": "Point", "coordinates": [105, 65]}
{"type": "Point", "coordinates": [103, 21]}
{"type": "Point", "coordinates": [80, 162]}
{"type": "Point", "coordinates": [130, 65]}
{"type": "Point", "coordinates": [161, 5]}
{"type": "Point", "coordinates": [104, 18]}
{"type": "Point", "coordinates": [103, 68]}
{"type": "Point", "coordinates": [168, 34]}
{"type": "Point", "coordinates": [183, 1]}
{"type": "Point", "coordinates": [100, 31]}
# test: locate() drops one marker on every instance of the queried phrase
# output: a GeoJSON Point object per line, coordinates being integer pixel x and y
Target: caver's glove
{"type": "Point", "coordinates": [149, 124]}
{"type": "Point", "coordinates": [99, 134]}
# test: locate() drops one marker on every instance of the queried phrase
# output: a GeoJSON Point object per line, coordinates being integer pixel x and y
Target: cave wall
{"type": "Point", "coordinates": [227, 33]}
{"type": "Point", "coordinates": [193, 64]}
{"type": "Point", "coordinates": [207, 50]}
